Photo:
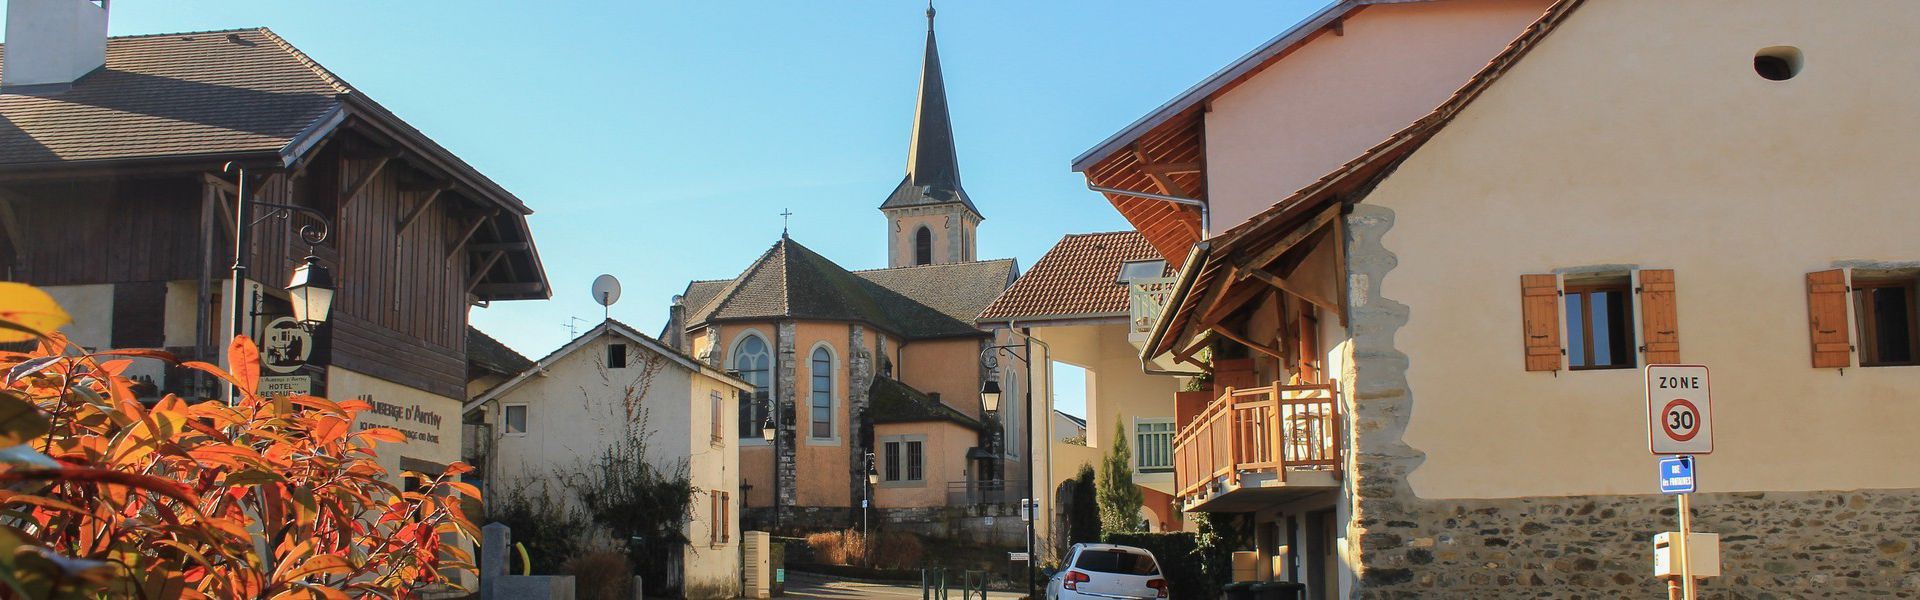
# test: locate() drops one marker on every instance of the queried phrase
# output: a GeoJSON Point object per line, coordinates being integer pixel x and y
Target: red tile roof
{"type": "Point", "coordinates": [1078, 278]}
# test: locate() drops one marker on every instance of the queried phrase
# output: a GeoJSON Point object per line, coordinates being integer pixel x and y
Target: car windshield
{"type": "Point", "coordinates": [1116, 561]}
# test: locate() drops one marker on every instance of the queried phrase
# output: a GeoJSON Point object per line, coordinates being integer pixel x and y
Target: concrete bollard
{"type": "Point", "coordinates": [639, 591]}
{"type": "Point", "coordinates": [495, 541]}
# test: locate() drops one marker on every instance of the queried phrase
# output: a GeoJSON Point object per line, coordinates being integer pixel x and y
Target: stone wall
{"type": "Point", "coordinates": [1773, 545]}
{"type": "Point", "coordinates": [992, 525]}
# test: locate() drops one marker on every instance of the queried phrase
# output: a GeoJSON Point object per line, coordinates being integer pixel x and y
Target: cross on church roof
{"type": "Point", "coordinates": [785, 213]}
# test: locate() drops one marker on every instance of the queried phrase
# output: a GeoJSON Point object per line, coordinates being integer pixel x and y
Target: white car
{"type": "Point", "coordinates": [1108, 572]}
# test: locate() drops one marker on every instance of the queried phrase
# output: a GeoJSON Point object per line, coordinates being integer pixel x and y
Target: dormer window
{"type": "Point", "coordinates": [1135, 270]}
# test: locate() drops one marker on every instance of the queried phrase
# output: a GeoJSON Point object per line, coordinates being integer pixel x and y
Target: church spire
{"type": "Point", "coordinates": [933, 166]}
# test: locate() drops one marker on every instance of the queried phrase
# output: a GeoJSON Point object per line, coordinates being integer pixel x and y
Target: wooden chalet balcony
{"type": "Point", "coordinates": [1256, 446]}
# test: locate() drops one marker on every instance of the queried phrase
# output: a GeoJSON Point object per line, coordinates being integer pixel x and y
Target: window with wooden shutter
{"type": "Point", "coordinates": [1827, 319]}
{"type": "Point", "coordinates": [1659, 317]}
{"type": "Point", "coordinates": [1540, 314]}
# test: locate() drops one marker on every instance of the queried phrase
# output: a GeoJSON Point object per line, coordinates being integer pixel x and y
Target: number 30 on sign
{"type": "Point", "coordinates": [1679, 416]}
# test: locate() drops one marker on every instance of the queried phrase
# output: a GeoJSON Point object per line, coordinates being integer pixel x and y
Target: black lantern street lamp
{"type": "Point", "coordinates": [311, 288]}
{"type": "Point", "coordinates": [990, 401]}
{"type": "Point", "coordinates": [990, 394]}
{"type": "Point", "coordinates": [311, 291]}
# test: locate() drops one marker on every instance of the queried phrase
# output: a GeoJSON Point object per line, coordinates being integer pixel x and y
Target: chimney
{"type": "Point", "coordinates": [52, 43]}
{"type": "Point", "coordinates": [677, 324]}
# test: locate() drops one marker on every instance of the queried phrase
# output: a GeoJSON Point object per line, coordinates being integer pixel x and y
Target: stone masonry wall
{"type": "Point", "coordinates": [1850, 544]}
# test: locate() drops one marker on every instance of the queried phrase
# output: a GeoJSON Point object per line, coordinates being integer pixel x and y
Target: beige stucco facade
{"type": "Point", "coordinates": [577, 407]}
{"type": "Point", "coordinates": [1338, 94]}
{"type": "Point", "coordinates": [431, 422]}
{"type": "Point", "coordinates": [952, 229]}
{"type": "Point", "coordinates": [1687, 160]}
{"type": "Point", "coordinates": [949, 367]}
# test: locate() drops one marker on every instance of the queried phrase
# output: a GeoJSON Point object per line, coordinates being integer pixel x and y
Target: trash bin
{"type": "Point", "coordinates": [1279, 590]}
{"type": "Point", "coordinates": [1239, 590]}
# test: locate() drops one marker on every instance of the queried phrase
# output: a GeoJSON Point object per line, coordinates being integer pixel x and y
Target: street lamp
{"type": "Point", "coordinates": [311, 288]}
{"type": "Point", "coordinates": [990, 400]}
{"type": "Point", "coordinates": [873, 479]}
{"type": "Point", "coordinates": [767, 428]}
{"type": "Point", "coordinates": [990, 394]}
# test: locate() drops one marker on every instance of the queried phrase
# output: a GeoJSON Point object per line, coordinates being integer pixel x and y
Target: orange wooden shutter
{"type": "Point", "coordinates": [1659, 317]}
{"type": "Point", "coordinates": [1827, 319]}
{"type": "Point", "coordinates": [1540, 313]}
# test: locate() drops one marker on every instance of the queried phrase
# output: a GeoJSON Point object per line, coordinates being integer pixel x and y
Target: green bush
{"type": "Point", "coordinates": [1176, 553]}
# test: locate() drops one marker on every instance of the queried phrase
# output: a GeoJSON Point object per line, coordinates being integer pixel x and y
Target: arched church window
{"type": "Point", "coordinates": [923, 246]}
{"type": "Point", "coordinates": [754, 362]}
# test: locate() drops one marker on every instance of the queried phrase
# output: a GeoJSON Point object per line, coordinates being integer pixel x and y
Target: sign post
{"type": "Point", "coordinates": [1680, 423]}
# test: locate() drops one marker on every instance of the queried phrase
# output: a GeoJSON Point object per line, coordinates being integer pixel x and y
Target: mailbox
{"type": "Point", "coordinates": [1702, 548]}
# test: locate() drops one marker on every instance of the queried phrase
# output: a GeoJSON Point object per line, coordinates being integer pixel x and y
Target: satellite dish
{"type": "Point", "coordinates": [606, 290]}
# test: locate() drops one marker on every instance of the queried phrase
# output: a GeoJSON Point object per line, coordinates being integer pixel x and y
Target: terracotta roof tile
{"type": "Point", "coordinates": [1077, 278]}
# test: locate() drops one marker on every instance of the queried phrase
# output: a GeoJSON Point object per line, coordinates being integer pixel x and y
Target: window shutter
{"type": "Point", "coordinates": [1540, 312]}
{"type": "Point", "coordinates": [1659, 317]}
{"type": "Point", "coordinates": [1827, 319]}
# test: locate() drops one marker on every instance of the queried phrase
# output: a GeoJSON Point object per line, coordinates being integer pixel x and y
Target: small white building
{"type": "Point", "coordinates": [612, 384]}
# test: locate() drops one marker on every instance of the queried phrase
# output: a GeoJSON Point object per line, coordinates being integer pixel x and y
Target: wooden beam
{"type": "Point", "coordinates": [10, 223]}
{"type": "Point", "coordinates": [1186, 356]}
{"type": "Point", "coordinates": [352, 191]}
{"type": "Point", "coordinates": [420, 209]}
{"type": "Point", "coordinates": [1230, 300]}
{"type": "Point", "coordinates": [526, 287]}
{"type": "Point", "coordinates": [1179, 168]}
{"type": "Point", "coordinates": [1229, 334]}
{"type": "Point", "coordinates": [497, 246]}
{"type": "Point", "coordinates": [471, 229]}
{"type": "Point", "coordinates": [1281, 246]}
{"type": "Point", "coordinates": [1289, 287]}
{"type": "Point", "coordinates": [481, 273]}
{"type": "Point", "coordinates": [1340, 265]}
{"type": "Point", "coordinates": [1146, 165]}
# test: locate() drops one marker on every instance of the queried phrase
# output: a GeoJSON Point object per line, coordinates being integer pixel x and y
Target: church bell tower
{"type": "Point", "coordinates": [930, 220]}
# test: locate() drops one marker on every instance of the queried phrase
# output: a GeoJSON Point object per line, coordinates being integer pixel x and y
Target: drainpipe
{"type": "Point", "coordinates": [1205, 227]}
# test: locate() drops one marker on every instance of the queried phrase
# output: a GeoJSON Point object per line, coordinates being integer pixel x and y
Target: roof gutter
{"type": "Point", "coordinates": [1196, 257]}
{"type": "Point", "coordinates": [1205, 226]}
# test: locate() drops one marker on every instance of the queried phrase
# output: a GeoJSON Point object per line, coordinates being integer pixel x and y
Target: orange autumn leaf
{"type": "Point", "coordinates": [383, 434]}
{"type": "Point", "coordinates": [244, 360]}
{"type": "Point", "coordinates": [27, 313]}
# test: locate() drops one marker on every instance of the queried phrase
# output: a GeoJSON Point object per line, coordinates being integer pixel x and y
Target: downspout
{"type": "Point", "coordinates": [1205, 226]}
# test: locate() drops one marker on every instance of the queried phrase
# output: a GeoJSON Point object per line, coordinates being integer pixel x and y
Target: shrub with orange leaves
{"type": "Point", "coordinates": [264, 498]}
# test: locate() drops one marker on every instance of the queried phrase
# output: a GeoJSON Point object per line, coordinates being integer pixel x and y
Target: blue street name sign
{"type": "Point", "coordinates": [1676, 474]}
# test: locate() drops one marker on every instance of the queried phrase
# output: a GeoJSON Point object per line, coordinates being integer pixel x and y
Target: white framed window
{"type": "Point", "coordinates": [820, 395]}
{"type": "Point", "coordinates": [1135, 270]}
{"type": "Point", "coordinates": [513, 419]}
{"type": "Point", "coordinates": [1153, 444]}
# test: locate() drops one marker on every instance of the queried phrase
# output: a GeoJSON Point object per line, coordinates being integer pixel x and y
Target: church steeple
{"type": "Point", "coordinates": [932, 183]}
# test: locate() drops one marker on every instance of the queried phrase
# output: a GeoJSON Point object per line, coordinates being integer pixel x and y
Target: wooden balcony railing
{"type": "Point", "coordinates": [1270, 429]}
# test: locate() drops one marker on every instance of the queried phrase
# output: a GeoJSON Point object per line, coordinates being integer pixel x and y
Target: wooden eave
{"type": "Point", "coordinates": [1169, 161]}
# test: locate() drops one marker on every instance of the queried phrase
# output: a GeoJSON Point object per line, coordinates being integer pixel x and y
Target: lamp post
{"type": "Point", "coordinates": [311, 287]}
{"type": "Point", "coordinates": [990, 401]}
{"type": "Point", "coordinates": [770, 431]}
{"type": "Point", "coordinates": [873, 478]}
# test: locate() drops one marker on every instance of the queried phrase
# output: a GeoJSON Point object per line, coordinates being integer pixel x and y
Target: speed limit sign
{"type": "Point", "coordinates": [1679, 417]}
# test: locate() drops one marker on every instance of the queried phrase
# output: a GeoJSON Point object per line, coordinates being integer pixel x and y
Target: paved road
{"type": "Point", "coordinates": [809, 585]}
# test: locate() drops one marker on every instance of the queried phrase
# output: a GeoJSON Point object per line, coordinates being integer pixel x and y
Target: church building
{"type": "Point", "coordinates": [866, 384]}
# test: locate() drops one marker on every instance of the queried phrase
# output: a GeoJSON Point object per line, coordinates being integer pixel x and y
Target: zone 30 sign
{"type": "Point", "coordinates": [1679, 416]}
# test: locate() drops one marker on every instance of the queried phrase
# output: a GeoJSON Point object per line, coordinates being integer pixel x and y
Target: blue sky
{"type": "Point", "coordinates": [659, 141]}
